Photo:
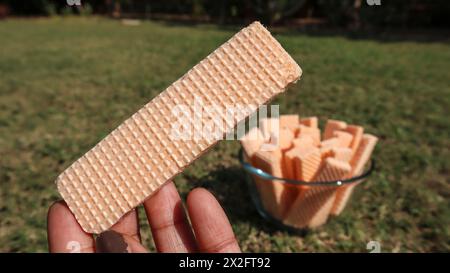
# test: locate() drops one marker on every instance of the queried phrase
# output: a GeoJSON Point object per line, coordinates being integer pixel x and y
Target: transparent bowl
{"type": "Point", "coordinates": [260, 175]}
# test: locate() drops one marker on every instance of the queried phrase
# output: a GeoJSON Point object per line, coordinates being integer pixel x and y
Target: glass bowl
{"type": "Point", "coordinates": [260, 175]}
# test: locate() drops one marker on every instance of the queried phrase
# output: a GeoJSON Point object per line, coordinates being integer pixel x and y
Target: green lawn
{"type": "Point", "coordinates": [66, 83]}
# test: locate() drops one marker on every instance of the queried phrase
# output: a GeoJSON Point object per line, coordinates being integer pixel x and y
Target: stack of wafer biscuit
{"type": "Point", "coordinates": [296, 149]}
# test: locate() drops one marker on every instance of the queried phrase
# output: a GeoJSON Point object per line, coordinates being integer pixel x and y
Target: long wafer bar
{"type": "Point", "coordinates": [361, 157]}
{"type": "Point", "coordinates": [141, 154]}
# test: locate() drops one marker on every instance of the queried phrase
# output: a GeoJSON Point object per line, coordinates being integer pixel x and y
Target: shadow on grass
{"type": "Point", "coordinates": [230, 188]}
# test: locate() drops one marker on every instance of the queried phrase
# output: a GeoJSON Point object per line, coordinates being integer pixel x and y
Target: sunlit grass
{"type": "Point", "coordinates": [66, 83]}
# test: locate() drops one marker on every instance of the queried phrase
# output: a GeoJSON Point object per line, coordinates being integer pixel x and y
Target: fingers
{"type": "Point", "coordinates": [124, 236]}
{"type": "Point", "coordinates": [170, 228]}
{"type": "Point", "coordinates": [64, 233]}
{"type": "Point", "coordinates": [211, 226]}
{"type": "Point", "coordinates": [128, 225]}
{"type": "Point", "coordinates": [168, 222]}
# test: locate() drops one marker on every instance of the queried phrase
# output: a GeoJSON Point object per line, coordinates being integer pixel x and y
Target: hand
{"type": "Point", "coordinates": [168, 222]}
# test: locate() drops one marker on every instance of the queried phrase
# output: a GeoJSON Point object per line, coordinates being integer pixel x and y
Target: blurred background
{"type": "Point", "coordinates": [349, 13]}
{"type": "Point", "coordinates": [71, 73]}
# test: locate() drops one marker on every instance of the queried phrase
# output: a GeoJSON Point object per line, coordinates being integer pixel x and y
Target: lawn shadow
{"type": "Point", "coordinates": [230, 187]}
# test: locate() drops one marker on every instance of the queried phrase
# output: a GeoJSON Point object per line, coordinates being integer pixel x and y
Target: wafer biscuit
{"type": "Point", "coordinates": [357, 132]}
{"type": "Point", "coordinates": [326, 147]}
{"type": "Point", "coordinates": [307, 163]}
{"type": "Point", "coordinates": [281, 140]}
{"type": "Point", "coordinates": [297, 156]}
{"type": "Point", "coordinates": [303, 141]}
{"type": "Point", "coordinates": [326, 152]}
{"type": "Point", "coordinates": [286, 137]}
{"type": "Point", "coordinates": [251, 143]}
{"type": "Point", "coordinates": [312, 207]}
{"type": "Point", "coordinates": [310, 122]}
{"type": "Point", "coordinates": [331, 126]}
{"type": "Point", "coordinates": [361, 157]}
{"type": "Point", "coordinates": [303, 130]}
{"type": "Point", "coordinates": [269, 127]}
{"type": "Point", "coordinates": [276, 196]}
{"type": "Point", "coordinates": [298, 143]}
{"type": "Point", "coordinates": [342, 154]}
{"type": "Point", "coordinates": [330, 143]}
{"type": "Point", "coordinates": [140, 155]}
{"type": "Point", "coordinates": [289, 121]}
{"type": "Point", "coordinates": [345, 139]}
{"type": "Point", "coordinates": [288, 163]}
{"type": "Point", "coordinates": [333, 169]}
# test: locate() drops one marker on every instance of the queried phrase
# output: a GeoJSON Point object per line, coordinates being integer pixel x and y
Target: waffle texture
{"type": "Point", "coordinates": [362, 156]}
{"type": "Point", "coordinates": [275, 196]}
{"type": "Point", "coordinates": [134, 160]}
{"type": "Point", "coordinates": [305, 162]}
{"type": "Point", "coordinates": [313, 205]}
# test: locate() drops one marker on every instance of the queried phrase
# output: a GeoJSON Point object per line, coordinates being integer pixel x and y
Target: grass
{"type": "Point", "coordinates": [66, 83]}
